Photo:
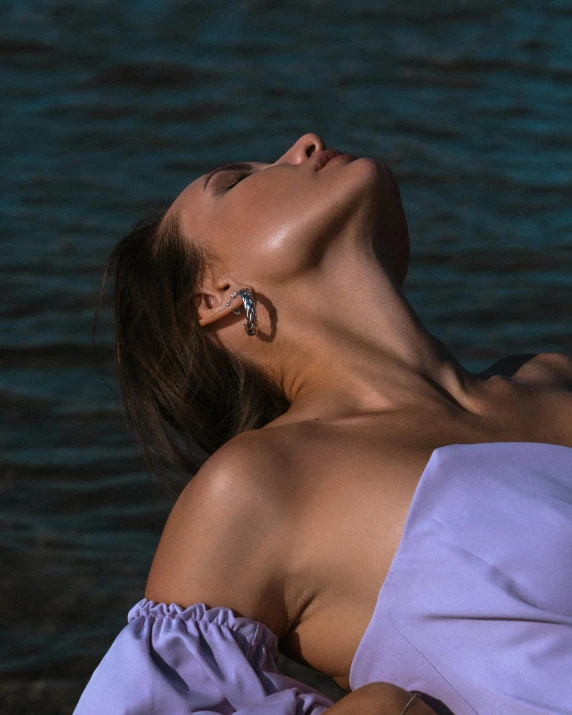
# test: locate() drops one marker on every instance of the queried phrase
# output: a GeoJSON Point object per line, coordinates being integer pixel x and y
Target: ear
{"type": "Point", "coordinates": [211, 301]}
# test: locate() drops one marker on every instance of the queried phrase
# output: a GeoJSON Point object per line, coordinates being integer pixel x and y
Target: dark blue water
{"type": "Point", "coordinates": [108, 107]}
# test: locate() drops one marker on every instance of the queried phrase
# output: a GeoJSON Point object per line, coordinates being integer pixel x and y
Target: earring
{"type": "Point", "coordinates": [236, 310]}
{"type": "Point", "coordinates": [228, 302]}
{"type": "Point", "coordinates": [251, 325]}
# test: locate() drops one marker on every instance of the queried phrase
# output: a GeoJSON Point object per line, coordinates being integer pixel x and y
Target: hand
{"type": "Point", "coordinates": [379, 699]}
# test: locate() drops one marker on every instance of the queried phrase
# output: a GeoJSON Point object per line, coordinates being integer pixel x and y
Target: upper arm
{"type": "Point", "coordinates": [224, 542]}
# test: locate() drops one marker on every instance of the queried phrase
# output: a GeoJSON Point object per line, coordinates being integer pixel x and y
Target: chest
{"type": "Point", "coordinates": [354, 504]}
{"type": "Point", "coordinates": [351, 528]}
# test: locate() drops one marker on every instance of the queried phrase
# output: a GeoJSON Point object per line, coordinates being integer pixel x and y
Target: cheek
{"type": "Point", "coordinates": [275, 241]}
{"type": "Point", "coordinates": [282, 250]}
{"type": "Point", "coordinates": [277, 235]}
{"type": "Point", "coordinates": [261, 251]}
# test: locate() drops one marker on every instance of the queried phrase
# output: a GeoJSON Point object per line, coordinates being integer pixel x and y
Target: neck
{"type": "Point", "coordinates": [359, 348]}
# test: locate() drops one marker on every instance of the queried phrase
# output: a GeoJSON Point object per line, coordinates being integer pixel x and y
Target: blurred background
{"type": "Point", "coordinates": [110, 107]}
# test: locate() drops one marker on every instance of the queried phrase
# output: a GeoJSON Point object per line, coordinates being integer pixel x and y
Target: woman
{"type": "Point", "coordinates": [360, 500]}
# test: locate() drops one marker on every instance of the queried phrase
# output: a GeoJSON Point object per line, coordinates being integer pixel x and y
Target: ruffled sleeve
{"type": "Point", "coordinates": [170, 660]}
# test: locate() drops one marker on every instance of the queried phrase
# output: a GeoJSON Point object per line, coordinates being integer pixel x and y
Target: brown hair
{"type": "Point", "coordinates": [183, 395]}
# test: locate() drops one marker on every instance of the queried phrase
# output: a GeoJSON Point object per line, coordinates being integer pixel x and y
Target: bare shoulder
{"type": "Point", "coordinates": [539, 369]}
{"type": "Point", "coordinates": [225, 541]}
{"type": "Point", "coordinates": [246, 473]}
{"type": "Point", "coordinates": [556, 368]}
{"type": "Point", "coordinates": [549, 370]}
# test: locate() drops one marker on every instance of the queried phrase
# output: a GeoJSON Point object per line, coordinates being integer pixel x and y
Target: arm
{"type": "Point", "coordinates": [379, 699]}
{"type": "Point", "coordinates": [226, 543]}
{"type": "Point", "coordinates": [226, 540]}
{"type": "Point", "coordinates": [200, 641]}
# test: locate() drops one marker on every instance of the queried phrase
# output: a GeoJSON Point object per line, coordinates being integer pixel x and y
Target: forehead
{"type": "Point", "coordinates": [190, 193]}
{"type": "Point", "coordinates": [189, 202]}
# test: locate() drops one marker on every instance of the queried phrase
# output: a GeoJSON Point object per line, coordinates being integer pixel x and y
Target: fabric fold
{"type": "Point", "coordinates": [169, 660]}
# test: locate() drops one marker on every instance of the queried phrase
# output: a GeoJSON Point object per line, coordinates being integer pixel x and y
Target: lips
{"type": "Point", "coordinates": [321, 158]}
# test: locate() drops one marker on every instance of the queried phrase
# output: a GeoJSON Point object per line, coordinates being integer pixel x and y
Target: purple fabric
{"type": "Point", "coordinates": [170, 660]}
{"type": "Point", "coordinates": [476, 609]}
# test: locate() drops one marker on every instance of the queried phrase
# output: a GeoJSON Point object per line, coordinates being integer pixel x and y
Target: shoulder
{"type": "Point", "coordinates": [249, 474]}
{"type": "Point", "coordinates": [552, 370]}
{"type": "Point", "coordinates": [557, 367]}
{"type": "Point", "coordinates": [225, 541]}
{"type": "Point", "coordinates": [245, 475]}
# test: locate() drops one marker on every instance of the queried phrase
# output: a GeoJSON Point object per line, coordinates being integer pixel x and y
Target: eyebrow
{"type": "Point", "coordinates": [231, 166]}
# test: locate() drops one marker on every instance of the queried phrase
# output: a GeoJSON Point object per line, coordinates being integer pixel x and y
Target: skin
{"type": "Point", "coordinates": [325, 254]}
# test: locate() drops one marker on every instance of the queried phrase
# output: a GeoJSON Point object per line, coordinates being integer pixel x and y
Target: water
{"type": "Point", "coordinates": [110, 107]}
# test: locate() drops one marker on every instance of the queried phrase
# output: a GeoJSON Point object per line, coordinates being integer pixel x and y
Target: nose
{"type": "Point", "coordinates": [302, 149]}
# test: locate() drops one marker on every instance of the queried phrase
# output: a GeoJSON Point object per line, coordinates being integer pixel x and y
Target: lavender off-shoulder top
{"type": "Point", "coordinates": [475, 611]}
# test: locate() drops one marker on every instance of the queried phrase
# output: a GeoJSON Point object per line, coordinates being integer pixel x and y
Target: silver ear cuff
{"type": "Point", "coordinates": [251, 325]}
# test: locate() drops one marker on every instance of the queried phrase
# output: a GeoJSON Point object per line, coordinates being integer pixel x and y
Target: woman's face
{"type": "Point", "coordinates": [275, 224]}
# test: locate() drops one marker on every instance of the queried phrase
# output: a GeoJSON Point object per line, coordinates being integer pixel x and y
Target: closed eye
{"type": "Point", "coordinates": [239, 177]}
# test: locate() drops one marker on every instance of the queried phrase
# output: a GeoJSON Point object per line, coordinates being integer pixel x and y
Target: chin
{"type": "Point", "coordinates": [376, 173]}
